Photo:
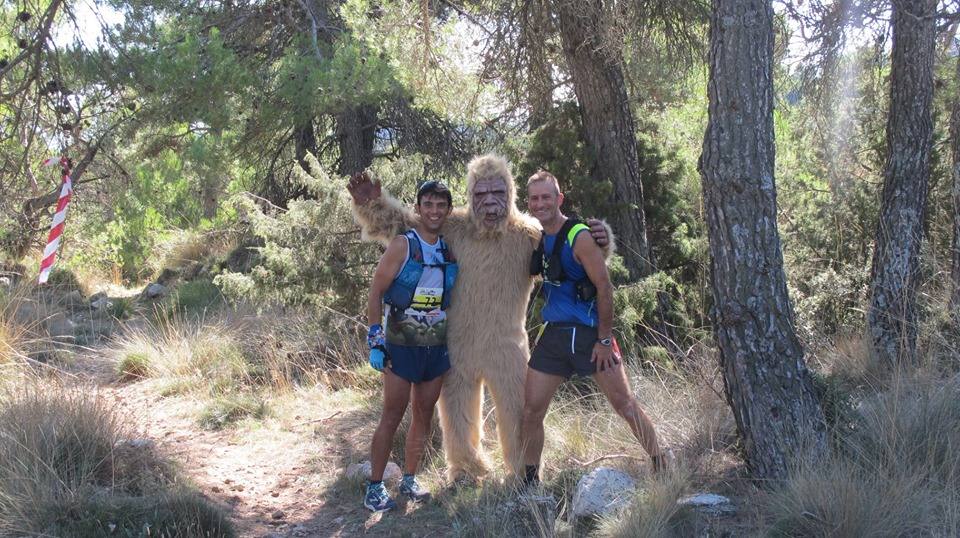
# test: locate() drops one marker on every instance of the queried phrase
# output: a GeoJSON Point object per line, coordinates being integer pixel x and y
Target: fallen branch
{"type": "Point", "coordinates": [607, 457]}
{"type": "Point", "coordinates": [304, 423]}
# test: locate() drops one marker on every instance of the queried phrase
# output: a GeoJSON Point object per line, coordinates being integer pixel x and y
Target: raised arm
{"type": "Point", "coordinates": [380, 216]}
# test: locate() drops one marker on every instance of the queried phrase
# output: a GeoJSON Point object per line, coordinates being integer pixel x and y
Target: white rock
{"type": "Point", "coordinates": [5, 281]}
{"type": "Point", "coordinates": [391, 473]}
{"type": "Point", "coordinates": [155, 290]}
{"type": "Point", "coordinates": [602, 491]}
{"type": "Point", "coordinates": [100, 303]}
{"type": "Point", "coordinates": [709, 503]}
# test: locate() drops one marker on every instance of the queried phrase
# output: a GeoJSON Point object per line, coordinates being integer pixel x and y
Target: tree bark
{"type": "Point", "coordinates": [892, 312]}
{"type": "Point", "coordinates": [356, 130]}
{"type": "Point", "coordinates": [539, 76]}
{"type": "Point", "coordinates": [955, 150]}
{"type": "Point", "coordinates": [766, 379]}
{"type": "Point", "coordinates": [608, 123]}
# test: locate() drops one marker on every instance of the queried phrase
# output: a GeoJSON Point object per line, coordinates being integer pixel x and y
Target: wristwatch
{"type": "Point", "coordinates": [608, 341]}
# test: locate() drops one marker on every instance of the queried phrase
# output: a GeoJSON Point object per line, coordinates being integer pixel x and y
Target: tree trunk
{"type": "Point", "coordinates": [608, 123]}
{"type": "Point", "coordinates": [539, 76]}
{"type": "Point", "coordinates": [356, 130]}
{"type": "Point", "coordinates": [955, 145]}
{"type": "Point", "coordinates": [767, 382]}
{"type": "Point", "coordinates": [892, 313]}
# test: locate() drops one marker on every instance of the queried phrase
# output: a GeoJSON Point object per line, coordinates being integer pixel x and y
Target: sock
{"type": "Point", "coordinates": [408, 477]}
{"type": "Point", "coordinates": [531, 474]}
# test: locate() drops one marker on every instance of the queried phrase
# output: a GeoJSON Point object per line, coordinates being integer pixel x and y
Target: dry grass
{"type": "Point", "coordinates": [65, 471]}
{"type": "Point", "coordinates": [654, 512]}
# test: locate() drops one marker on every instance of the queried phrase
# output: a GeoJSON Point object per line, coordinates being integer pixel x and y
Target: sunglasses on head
{"type": "Point", "coordinates": [429, 185]}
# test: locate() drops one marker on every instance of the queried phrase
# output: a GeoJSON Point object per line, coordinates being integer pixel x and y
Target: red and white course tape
{"type": "Point", "coordinates": [59, 218]}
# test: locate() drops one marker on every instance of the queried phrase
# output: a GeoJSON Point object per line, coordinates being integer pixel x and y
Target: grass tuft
{"type": "Point", "coordinates": [64, 471]}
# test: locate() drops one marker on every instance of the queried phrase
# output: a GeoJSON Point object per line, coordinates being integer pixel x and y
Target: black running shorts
{"type": "Point", "coordinates": [565, 349]}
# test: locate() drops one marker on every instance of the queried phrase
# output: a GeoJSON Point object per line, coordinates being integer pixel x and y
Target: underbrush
{"type": "Point", "coordinates": [68, 468]}
{"type": "Point", "coordinates": [237, 359]}
{"type": "Point", "coordinates": [894, 469]}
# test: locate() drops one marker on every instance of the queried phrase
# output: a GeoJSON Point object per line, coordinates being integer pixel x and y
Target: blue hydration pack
{"type": "Point", "coordinates": [400, 293]}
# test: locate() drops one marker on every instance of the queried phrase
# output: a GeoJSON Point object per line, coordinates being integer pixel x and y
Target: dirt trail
{"type": "Point", "coordinates": [270, 477]}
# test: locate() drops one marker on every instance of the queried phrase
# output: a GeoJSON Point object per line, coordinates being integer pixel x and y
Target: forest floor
{"type": "Point", "coordinates": [275, 477]}
{"type": "Point", "coordinates": [282, 472]}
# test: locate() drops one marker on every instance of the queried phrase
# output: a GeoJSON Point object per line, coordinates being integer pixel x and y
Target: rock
{"type": "Point", "coordinates": [154, 290]}
{"type": "Point", "coordinates": [530, 515]}
{"type": "Point", "coordinates": [97, 296]}
{"type": "Point", "coordinates": [278, 514]}
{"type": "Point", "coordinates": [59, 326]}
{"type": "Point", "coordinates": [100, 303]}
{"type": "Point", "coordinates": [391, 473]}
{"type": "Point", "coordinates": [709, 504]}
{"type": "Point", "coordinates": [168, 276]}
{"type": "Point", "coordinates": [5, 282]}
{"type": "Point", "coordinates": [74, 299]}
{"type": "Point", "coordinates": [602, 491]}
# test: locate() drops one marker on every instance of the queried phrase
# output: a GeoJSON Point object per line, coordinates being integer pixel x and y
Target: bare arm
{"type": "Point", "coordinates": [387, 269]}
{"type": "Point", "coordinates": [591, 257]}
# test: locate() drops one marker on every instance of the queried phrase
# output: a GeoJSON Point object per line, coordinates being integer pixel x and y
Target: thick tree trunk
{"type": "Point", "coordinates": [608, 123]}
{"type": "Point", "coordinates": [955, 250]}
{"type": "Point", "coordinates": [767, 382]}
{"type": "Point", "coordinates": [892, 313]}
{"type": "Point", "coordinates": [539, 75]}
{"type": "Point", "coordinates": [356, 130]}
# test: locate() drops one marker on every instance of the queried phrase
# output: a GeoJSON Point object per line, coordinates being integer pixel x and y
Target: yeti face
{"type": "Point", "coordinates": [489, 200]}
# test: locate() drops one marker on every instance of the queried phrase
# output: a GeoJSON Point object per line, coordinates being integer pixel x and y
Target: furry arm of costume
{"type": "Point", "coordinates": [383, 218]}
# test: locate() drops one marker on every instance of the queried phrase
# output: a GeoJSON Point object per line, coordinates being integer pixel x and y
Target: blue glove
{"type": "Point", "coordinates": [375, 337]}
{"type": "Point", "coordinates": [377, 358]}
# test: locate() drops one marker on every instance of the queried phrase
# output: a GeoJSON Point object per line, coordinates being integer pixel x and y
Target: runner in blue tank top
{"type": "Point", "coordinates": [578, 333]}
{"type": "Point", "coordinates": [415, 276]}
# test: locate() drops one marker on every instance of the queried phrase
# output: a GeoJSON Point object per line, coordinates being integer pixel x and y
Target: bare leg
{"type": "Point", "coordinates": [396, 394]}
{"type": "Point", "coordinates": [460, 419]}
{"type": "Point", "coordinates": [613, 382]}
{"type": "Point", "coordinates": [425, 397]}
{"type": "Point", "coordinates": [537, 394]}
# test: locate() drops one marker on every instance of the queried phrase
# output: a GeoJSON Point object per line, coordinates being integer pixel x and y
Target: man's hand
{"type": "Point", "coordinates": [362, 188]}
{"type": "Point", "coordinates": [604, 357]}
{"type": "Point", "coordinates": [598, 231]}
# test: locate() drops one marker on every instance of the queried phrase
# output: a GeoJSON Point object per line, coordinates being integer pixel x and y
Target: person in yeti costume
{"type": "Point", "coordinates": [493, 243]}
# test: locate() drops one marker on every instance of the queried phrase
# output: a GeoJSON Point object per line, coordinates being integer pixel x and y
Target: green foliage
{"type": "Point", "coordinates": [312, 253]}
{"type": "Point", "coordinates": [195, 297]}
{"type": "Point", "coordinates": [227, 409]}
{"type": "Point", "coordinates": [636, 305]}
{"type": "Point", "coordinates": [133, 366]}
{"type": "Point", "coordinates": [673, 230]}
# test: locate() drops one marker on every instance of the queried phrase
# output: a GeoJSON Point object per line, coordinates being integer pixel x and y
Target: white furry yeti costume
{"type": "Point", "coordinates": [487, 314]}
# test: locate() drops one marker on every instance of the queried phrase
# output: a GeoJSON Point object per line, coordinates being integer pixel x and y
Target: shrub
{"type": "Point", "coordinates": [227, 409]}
{"type": "Point", "coordinates": [895, 473]}
{"type": "Point", "coordinates": [65, 472]}
{"type": "Point", "coordinates": [195, 297]}
{"type": "Point", "coordinates": [133, 366]}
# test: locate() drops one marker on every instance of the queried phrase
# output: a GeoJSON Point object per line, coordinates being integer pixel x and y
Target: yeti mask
{"type": "Point", "coordinates": [493, 193]}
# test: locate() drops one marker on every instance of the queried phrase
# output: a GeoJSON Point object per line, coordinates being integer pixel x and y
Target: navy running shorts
{"type": "Point", "coordinates": [565, 349]}
{"type": "Point", "coordinates": [417, 364]}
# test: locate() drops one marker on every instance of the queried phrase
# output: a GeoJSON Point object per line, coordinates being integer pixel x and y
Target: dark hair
{"type": "Point", "coordinates": [435, 188]}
